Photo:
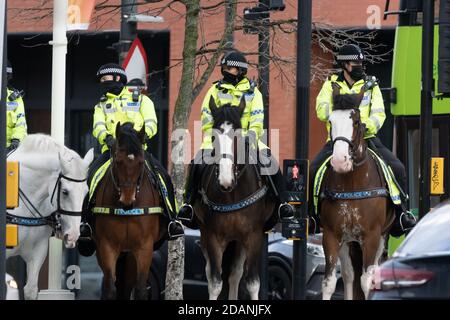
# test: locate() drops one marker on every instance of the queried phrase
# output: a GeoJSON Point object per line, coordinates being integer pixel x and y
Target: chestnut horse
{"type": "Point", "coordinates": [356, 211]}
{"type": "Point", "coordinates": [234, 207]}
{"type": "Point", "coordinates": [127, 210]}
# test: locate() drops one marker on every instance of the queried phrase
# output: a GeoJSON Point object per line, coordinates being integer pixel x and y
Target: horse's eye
{"type": "Point", "coordinates": [65, 192]}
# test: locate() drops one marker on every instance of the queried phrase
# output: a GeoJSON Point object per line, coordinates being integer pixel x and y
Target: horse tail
{"type": "Point", "coordinates": [357, 263]}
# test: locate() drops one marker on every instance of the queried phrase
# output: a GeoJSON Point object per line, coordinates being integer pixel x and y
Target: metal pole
{"type": "Point", "coordinates": [59, 44]}
{"type": "Point", "coordinates": [426, 108]}
{"type": "Point", "coordinates": [3, 52]}
{"type": "Point", "coordinates": [128, 30]}
{"type": "Point", "coordinates": [263, 86]}
{"type": "Point", "coordinates": [302, 133]}
{"type": "Point", "coordinates": [264, 59]}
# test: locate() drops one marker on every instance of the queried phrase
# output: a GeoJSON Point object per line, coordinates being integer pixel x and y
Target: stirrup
{"type": "Point", "coordinates": [86, 236]}
{"type": "Point", "coordinates": [174, 236]}
{"type": "Point", "coordinates": [191, 214]}
{"type": "Point", "coordinates": [279, 211]}
{"type": "Point", "coordinates": [400, 219]}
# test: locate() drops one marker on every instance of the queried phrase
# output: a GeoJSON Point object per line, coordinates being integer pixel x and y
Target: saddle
{"type": "Point", "coordinates": [393, 188]}
{"type": "Point", "coordinates": [156, 180]}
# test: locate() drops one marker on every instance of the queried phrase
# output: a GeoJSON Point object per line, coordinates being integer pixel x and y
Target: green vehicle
{"type": "Point", "coordinates": [405, 101]}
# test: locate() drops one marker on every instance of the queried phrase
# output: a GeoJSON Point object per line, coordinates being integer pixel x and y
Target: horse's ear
{"type": "Point", "coordinates": [88, 157]}
{"type": "Point", "coordinates": [242, 105]}
{"type": "Point", "coordinates": [141, 134]}
{"type": "Point", "coordinates": [212, 106]}
{"type": "Point", "coordinates": [118, 130]}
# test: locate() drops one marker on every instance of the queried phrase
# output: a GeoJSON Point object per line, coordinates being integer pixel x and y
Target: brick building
{"type": "Point", "coordinates": [30, 30]}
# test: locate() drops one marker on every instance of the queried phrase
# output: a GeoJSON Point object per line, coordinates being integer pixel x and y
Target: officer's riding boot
{"type": "Point", "coordinates": [175, 228]}
{"type": "Point", "coordinates": [86, 245]}
{"type": "Point", "coordinates": [285, 210]}
{"type": "Point", "coordinates": [85, 228]}
{"type": "Point", "coordinates": [186, 211]}
{"type": "Point", "coordinates": [403, 223]}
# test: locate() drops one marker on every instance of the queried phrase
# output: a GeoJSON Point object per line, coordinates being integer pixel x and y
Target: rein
{"type": "Point", "coordinates": [51, 220]}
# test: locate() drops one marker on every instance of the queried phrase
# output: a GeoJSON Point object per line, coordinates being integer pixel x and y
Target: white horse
{"type": "Point", "coordinates": [52, 186]}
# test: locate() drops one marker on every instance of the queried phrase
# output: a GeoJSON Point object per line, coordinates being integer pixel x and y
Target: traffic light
{"type": "Point", "coordinates": [277, 5]}
{"type": "Point", "coordinates": [253, 18]}
{"type": "Point", "coordinates": [444, 48]}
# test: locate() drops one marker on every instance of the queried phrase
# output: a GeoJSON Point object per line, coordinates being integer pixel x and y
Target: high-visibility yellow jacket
{"type": "Point", "coordinates": [371, 107]}
{"type": "Point", "coordinates": [16, 123]}
{"type": "Point", "coordinates": [113, 109]}
{"type": "Point", "coordinates": [226, 93]}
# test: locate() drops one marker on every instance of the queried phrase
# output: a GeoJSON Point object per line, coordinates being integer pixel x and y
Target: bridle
{"type": "Point", "coordinates": [118, 185]}
{"type": "Point", "coordinates": [352, 148]}
{"type": "Point", "coordinates": [38, 219]}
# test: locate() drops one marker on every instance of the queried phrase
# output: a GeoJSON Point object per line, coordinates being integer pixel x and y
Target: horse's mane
{"type": "Point", "coordinates": [129, 139]}
{"type": "Point", "coordinates": [230, 113]}
{"type": "Point", "coordinates": [42, 151]}
{"type": "Point", "coordinates": [346, 101]}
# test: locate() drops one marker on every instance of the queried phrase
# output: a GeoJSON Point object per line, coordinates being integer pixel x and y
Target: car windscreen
{"type": "Point", "coordinates": [430, 236]}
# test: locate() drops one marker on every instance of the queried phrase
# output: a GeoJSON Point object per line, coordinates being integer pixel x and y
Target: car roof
{"type": "Point", "coordinates": [430, 236]}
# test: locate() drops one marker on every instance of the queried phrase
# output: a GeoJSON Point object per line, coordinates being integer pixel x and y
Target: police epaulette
{"type": "Point", "coordinates": [252, 86]}
{"type": "Point", "coordinates": [103, 98]}
{"type": "Point", "coordinates": [218, 83]}
{"type": "Point", "coordinates": [15, 94]}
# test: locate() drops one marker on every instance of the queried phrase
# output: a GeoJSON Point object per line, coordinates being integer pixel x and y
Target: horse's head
{"type": "Point", "coordinates": [347, 132]}
{"type": "Point", "coordinates": [227, 121]}
{"type": "Point", "coordinates": [69, 193]}
{"type": "Point", "coordinates": [128, 162]}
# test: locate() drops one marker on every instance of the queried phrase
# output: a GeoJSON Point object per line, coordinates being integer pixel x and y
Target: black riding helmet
{"type": "Point", "coordinates": [350, 52]}
{"type": "Point", "coordinates": [114, 70]}
{"type": "Point", "coordinates": [237, 60]}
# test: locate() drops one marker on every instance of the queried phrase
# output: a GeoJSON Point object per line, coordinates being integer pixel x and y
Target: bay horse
{"type": "Point", "coordinates": [127, 210]}
{"type": "Point", "coordinates": [234, 208]}
{"type": "Point", "coordinates": [52, 187]}
{"type": "Point", "coordinates": [354, 227]}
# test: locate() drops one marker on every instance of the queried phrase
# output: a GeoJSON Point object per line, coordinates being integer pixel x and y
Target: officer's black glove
{"type": "Point", "coordinates": [14, 145]}
{"type": "Point", "coordinates": [147, 140]}
{"type": "Point", "coordinates": [110, 141]}
{"type": "Point", "coordinates": [371, 82]}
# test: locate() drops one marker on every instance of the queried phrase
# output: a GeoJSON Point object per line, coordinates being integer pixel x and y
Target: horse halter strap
{"type": "Point", "coordinates": [118, 185]}
{"type": "Point", "coordinates": [59, 210]}
{"type": "Point", "coordinates": [350, 143]}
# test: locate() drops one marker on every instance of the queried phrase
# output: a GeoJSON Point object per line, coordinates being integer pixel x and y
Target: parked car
{"type": "Point", "coordinates": [420, 267]}
{"type": "Point", "coordinates": [12, 289]}
{"type": "Point", "coordinates": [195, 285]}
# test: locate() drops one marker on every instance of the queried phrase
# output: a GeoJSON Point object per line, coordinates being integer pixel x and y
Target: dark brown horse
{"type": "Point", "coordinates": [127, 208]}
{"type": "Point", "coordinates": [356, 211]}
{"type": "Point", "coordinates": [234, 208]}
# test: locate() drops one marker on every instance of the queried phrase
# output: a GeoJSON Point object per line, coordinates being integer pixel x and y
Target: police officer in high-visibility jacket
{"type": "Point", "coordinates": [118, 104]}
{"type": "Point", "coordinates": [230, 90]}
{"type": "Point", "coordinates": [16, 123]}
{"type": "Point", "coordinates": [352, 79]}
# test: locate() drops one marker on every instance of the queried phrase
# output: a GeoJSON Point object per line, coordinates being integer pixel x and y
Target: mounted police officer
{"type": "Point", "coordinates": [118, 104]}
{"type": "Point", "coordinates": [352, 79]}
{"type": "Point", "coordinates": [16, 123]}
{"type": "Point", "coordinates": [230, 90]}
